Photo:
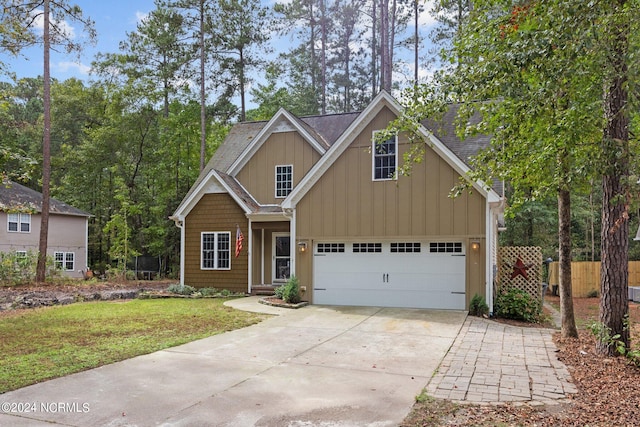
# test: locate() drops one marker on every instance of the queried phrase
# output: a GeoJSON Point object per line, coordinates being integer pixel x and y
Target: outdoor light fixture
{"type": "Point", "coordinates": [302, 246]}
{"type": "Point", "coordinates": [475, 246]}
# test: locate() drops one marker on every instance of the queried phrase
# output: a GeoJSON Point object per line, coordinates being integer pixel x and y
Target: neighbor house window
{"type": "Point", "coordinates": [19, 222]}
{"type": "Point", "coordinates": [21, 254]}
{"type": "Point", "coordinates": [64, 260]}
{"type": "Point", "coordinates": [215, 251]}
{"type": "Point", "coordinates": [385, 158]}
{"type": "Point", "coordinates": [284, 180]}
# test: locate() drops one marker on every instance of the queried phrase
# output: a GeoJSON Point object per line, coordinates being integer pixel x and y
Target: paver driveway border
{"type": "Point", "coordinates": [330, 366]}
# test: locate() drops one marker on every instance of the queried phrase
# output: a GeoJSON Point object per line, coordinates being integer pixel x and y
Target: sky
{"type": "Point", "coordinates": [113, 20]}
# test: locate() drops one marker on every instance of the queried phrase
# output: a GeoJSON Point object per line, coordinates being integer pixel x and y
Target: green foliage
{"type": "Point", "coordinates": [180, 289]}
{"type": "Point", "coordinates": [478, 306]}
{"type": "Point", "coordinates": [207, 292]}
{"type": "Point", "coordinates": [603, 334]}
{"type": "Point", "coordinates": [593, 294]}
{"type": "Point", "coordinates": [279, 292]}
{"type": "Point", "coordinates": [20, 269]}
{"type": "Point", "coordinates": [291, 292]}
{"type": "Point", "coordinates": [517, 304]}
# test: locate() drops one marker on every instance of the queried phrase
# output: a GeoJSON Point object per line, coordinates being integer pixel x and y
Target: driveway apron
{"type": "Point", "coordinates": [329, 366]}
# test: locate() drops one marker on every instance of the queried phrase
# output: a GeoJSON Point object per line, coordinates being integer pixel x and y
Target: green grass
{"type": "Point", "coordinates": [41, 344]}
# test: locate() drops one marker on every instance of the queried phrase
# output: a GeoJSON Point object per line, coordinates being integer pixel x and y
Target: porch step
{"type": "Point", "coordinates": [264, 290]}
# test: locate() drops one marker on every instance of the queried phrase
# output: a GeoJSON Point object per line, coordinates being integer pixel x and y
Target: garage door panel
{"type": "Point", "coordinates": [385, 298]}
{"type": "Point", "coordinates": [413, 279]}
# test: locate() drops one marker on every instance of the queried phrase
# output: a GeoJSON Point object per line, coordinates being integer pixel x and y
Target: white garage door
{"type": "Point", "coordinates": [390, 274]}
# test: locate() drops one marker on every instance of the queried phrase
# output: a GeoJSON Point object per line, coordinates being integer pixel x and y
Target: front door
{"type": "Point", "coordinates": [281, 257]}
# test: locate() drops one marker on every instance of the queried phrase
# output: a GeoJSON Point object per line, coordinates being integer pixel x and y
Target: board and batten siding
{"type": "Point", "coordinates": [346, 204]}
{"type": "Point", "coordinates": [215, 213]}
{"type": "Point", "coordinates": [282, 148]}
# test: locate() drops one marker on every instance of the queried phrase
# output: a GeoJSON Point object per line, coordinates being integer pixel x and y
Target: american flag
{"type": "Point", "coordinates": [239, 240]}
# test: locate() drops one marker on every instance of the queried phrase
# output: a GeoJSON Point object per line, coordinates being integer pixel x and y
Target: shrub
{"type": "Point", "coordinates": [208, 292]}
{"type": "Point", "coordinates": [291, 292]}
{"type": "Point", "coordinates": [225, 292]}
{"type": "Point", "coordinates": [17, 269]}
{"type": "Point", "coordinates": [517, 304]}
{"type": "Point", "coordinates": [181, 289]}
{"type": "Point", "coordinates": [279, 292]}
{"type": "Point", "coordinates": [478, 306]}
{"type": "Point", "coordinates": [592, 294]}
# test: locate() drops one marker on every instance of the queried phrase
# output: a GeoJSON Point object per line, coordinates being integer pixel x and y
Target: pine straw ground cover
{"type": "Point", "coordinates": [609, 388]}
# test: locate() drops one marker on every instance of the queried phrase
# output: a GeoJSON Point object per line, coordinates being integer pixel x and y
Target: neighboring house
{"type": "Point", "coordinates": [20, 211]}
{"type": "Point", "coordinates": [314, 197]}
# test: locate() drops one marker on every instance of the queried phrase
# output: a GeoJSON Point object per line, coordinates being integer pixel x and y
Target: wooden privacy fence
{"type": "Point", "coordinates": [585, 276]}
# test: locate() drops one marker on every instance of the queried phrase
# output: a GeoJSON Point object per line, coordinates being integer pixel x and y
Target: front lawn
{"type": "Point", "coordinates": [46, 343]}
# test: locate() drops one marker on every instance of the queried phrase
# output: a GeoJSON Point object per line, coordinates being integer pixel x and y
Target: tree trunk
{"type": "Point", "coordinates": [614, 305]}
{"type": "Point", "coordinates": [384, 45]}
{"type": "Point", "coordinates": [203, 96]}
{"type": "Point", "coordinates": [41, 268]}
{"type": "Point", "coordinates": [323, 57]}
{"type": "Point", "coordinates": [564, 236]}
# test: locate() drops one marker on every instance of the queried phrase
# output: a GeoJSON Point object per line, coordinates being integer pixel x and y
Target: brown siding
{"type": "Point", "coordinates": [285, 148]}
{"type": "Point", "coordinates": [214, 213]}
{"type": "Point", "coordinates": [347, 203]}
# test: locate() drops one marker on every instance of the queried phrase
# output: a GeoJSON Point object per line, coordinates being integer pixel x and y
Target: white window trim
{"type": "Point", "coordinates": [62, 264]}
{"type": "Point", "coordinates": [21, 254]}
{"type": "Point", "coordinates": [20, 218]}
{"type": "Point", "coordinates": [373, 159]}
{"type": "Point", "coordinates": [276, 181]}
{"type": "Point", "coordinates": [215, 252]}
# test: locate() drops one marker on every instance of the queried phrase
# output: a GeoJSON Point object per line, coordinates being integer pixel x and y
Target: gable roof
{"type": "Point", "coordinates": [329, 135]}
{"type": "Point", "coordinates": [382, 100]}
{"type": "Point", "coordinates": [14, 195]}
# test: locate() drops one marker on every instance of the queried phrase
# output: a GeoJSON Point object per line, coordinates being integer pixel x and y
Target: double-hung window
{"type": "Point", "coordinates": [284, 180]}
{"type": "Point", "coordinates": [385, 158]}
{"type": "Point", "coordinates": [19, 222]}
{"type": "Point", "coordinates": [64, 260]}
{"type": "Point", "coordinates": [215, 251]}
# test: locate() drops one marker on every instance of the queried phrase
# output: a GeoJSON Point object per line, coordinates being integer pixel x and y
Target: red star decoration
{"type": "Point", "coordinates": [520, 269]}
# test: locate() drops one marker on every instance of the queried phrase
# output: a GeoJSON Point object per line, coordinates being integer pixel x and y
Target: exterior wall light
{"type": "Point", "coordinates": [302, 247]}
{"type": "Point", "coordinates": [475, 246]}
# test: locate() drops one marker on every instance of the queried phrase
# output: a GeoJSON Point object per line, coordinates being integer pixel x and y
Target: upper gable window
{"type": "Point", "coordinates": [284, 180]}
{"type": "Point", "coordinates": [385, 158]}
{"type": "Point", "coordinates": [19, 222]}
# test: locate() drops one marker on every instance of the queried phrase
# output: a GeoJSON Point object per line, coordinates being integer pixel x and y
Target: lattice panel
{"type": "Point", "coordinates": [531, 257]}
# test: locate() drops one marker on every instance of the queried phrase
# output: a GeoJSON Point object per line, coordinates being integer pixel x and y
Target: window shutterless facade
{"type": "Point", "coordinates": [284, 180]}
{"type": "Point", "coordinates": [215, 250]}
{"type": "Point", "coordinates": [385, 158]}
{"type": "Point", "coordinates": [19, 222]}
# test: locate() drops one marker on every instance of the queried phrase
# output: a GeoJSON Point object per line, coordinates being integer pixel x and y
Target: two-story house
{"type": "Point", "coordinates": [318, 198]}
{"type": "Point", "coordinates": [20, 212]}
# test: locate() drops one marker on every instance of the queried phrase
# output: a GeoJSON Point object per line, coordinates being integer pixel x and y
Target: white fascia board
{"type": "Point", "coordinates": [383, 99]}
{"type": "Point", "coordinates": [211, 184]}
{"type": "Point", "coordinates": [265, 132]}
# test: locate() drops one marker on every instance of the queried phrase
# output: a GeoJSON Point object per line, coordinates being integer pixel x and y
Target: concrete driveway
{"type": "Point", "coordinates": [328, 366]}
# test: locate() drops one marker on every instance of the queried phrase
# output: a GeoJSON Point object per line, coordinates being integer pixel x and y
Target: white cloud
{"type": "Point", "coordinates": [68, 66]}
{"type": "Point", "coordinates": [141, 16]}
{"type": "Point", "coordinates": [66, 30]}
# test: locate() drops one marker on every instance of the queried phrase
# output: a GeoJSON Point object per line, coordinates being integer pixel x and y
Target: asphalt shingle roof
{"type": "Point", "coordinates": [14, 195]}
